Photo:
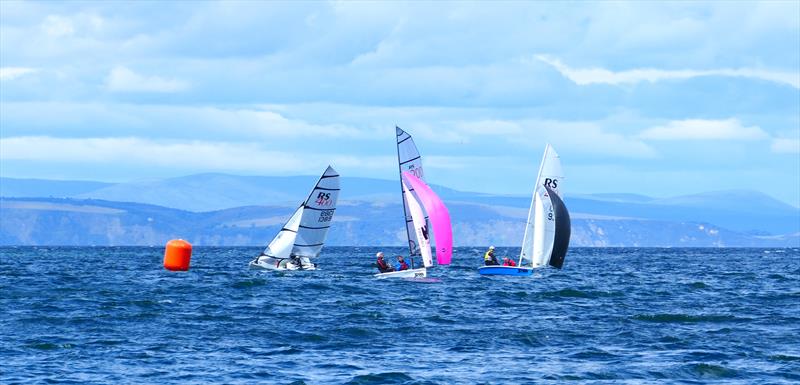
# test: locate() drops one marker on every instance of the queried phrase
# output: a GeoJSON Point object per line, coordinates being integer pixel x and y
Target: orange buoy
{"type": "Point", "coordinates": [177, 255]}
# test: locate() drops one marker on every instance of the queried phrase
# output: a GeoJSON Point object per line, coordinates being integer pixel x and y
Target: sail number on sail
{"type": "Point", "coordinates": [326, 215]}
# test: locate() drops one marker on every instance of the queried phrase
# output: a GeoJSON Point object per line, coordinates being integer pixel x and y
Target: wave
{"type": "Point", "coordinates": [575, 293]}
{"type": "Point", "coordinates": [255, 282]}
{"type": "Point", "coordinates": [710, 371]}
{"type": "Point", "coordinates": [387, 378]}
{"type": "Point", "coordinates": [684, 318]}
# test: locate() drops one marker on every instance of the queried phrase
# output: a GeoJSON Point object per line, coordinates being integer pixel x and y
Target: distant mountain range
{"type": "Point", "coordinates": [221, 209]}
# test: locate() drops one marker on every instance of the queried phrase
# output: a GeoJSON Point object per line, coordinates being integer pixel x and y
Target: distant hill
{"type": "Point", "coordinates": [13, 187]}
{"type": "Point", "coordinates": [749, 214]}
{"type": "Point", "coordinates": [56, 221]}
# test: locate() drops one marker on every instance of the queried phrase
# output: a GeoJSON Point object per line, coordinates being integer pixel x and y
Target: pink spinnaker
{"type": "Point", "coordinates": [437, 214]}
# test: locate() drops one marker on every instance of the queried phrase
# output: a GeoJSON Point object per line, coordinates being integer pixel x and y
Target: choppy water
{"type": "Point", "coordinates": [113, 315]}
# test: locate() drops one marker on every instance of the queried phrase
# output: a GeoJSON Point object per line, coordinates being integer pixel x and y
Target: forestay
{"type": "Point", "coordinates": [318, 211]}
{"type": "Point", "coordinates": [409, 160]}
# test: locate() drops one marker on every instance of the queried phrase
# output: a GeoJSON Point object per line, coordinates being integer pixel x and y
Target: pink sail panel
{"type": "Point", "coordinates": [438, 215]}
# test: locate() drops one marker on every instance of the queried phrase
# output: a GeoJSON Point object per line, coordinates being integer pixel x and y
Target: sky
{"type": "Point", "coordinates": [653, 98]}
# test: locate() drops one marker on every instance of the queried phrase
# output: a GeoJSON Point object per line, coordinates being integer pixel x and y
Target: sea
{"type": "Point", "coordinates": [113, 315]}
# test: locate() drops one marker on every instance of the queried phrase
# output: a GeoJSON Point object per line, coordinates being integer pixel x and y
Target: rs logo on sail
{"type": "Point", "coordinates": [552, 183]}
{"type": "Point", "coordinates": [323, 199]}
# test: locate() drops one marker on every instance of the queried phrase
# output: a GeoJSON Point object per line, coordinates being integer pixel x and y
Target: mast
{"type": "Point", "coordinates": [530, 210]}
{"type": "Point", "coordinates": [402, 195]}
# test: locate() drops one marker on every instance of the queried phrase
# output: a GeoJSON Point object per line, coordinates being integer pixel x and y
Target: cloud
{"type": "Point", "coordinates": [785, 146]}
{"type": "Point", "coordinates": [58, 26]}
{"type": "Point", "coordinates": [579, 137]}
{"type": "Point", "coordinates": [11, 73]}
{"type": "Point", "coordinates": [122, 79]}
{"type": "Point", "coordinates": [192, 122]}
{"type": "Point", "coordinates": [586, 76]}
{"type": "Point", "coordinates": [700, 129]}
{"type": "Point", "coordinates": [203, 155]}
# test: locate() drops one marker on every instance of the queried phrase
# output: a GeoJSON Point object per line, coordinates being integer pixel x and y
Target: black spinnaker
{"type": "Point", "coordinates": [563, 228]}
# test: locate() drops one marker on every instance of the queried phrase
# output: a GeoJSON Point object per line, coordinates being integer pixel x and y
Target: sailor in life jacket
{"type": "Point", "coordinates": [383, 267]}
{"type": "Point", "coordinates": [401, 264]}
{"type": "Point", "coordinates": [508, 262]}
{"type": "Point", "coordinates": [489, 259]}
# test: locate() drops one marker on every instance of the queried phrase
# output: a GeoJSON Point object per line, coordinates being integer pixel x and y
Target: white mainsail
{"type": "Point", "coordinates": [551, 175]}
{"type": "Point", "coordinates": [420, 226]}
{"type": "Point", "coordinates": [318, 211]}
{"type": "Point", "coordinates": [281, 246]}
{"type": "Point", "coordinates": [409, 160]}
{"type": "Point", "coordinates": [544, 230]}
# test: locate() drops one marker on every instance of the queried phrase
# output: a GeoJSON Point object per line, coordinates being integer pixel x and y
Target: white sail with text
{"type": "Point", "coordinates": [409, 160]}
{"type": "Point", "coordinates": [318, 211]}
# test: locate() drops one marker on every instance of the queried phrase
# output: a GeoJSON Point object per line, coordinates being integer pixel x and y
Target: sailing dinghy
{"type": "Point", "coordinates": [548, 228]}
{"type": "Point", "coordinates": [303, 236]}
{"type": "Point", "coordinates": [419, 199]}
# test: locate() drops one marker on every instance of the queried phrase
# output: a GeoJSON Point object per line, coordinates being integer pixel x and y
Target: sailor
{"type": "Point", "coordinates": [297, 262]}
{"type": "Point", "coordinates": [383, 267]}
{"type": "Point", "coordinates": [401, 264]}
{"type": "Point", "coordinates": [489, 259]}
{"type": "Point", "coordinates": [508, 262]}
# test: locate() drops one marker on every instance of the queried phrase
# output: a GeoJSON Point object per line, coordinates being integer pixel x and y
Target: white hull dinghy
{"type": "Point", "coordinates": [410, 273]}
{"type": "Point", "coordinates": [302, 237]}
{"type": "Point", "coordinates": [266, 262]}
{"type": "Point", "coordinates": [416, 196]}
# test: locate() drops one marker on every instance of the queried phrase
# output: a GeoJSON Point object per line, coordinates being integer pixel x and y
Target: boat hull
{"type": "Point", "coordinates": [505, 270]}
{"type": "Point", "coordinates": [411, 273]}
{"type": "Point", "coordinates": [270, 263]}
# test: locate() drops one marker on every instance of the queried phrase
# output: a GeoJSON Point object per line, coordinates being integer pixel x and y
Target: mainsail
{"type": "Point", "coordinates": [540, 228]}
{"type": "Point", "coordinates": [439, 217]}
{"type": "Point", "coordinates": [420, 226]}
{"type": "Point", "coordinates": [409, 160]}
{"type": "Point", "coordinates": [318, 210]}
